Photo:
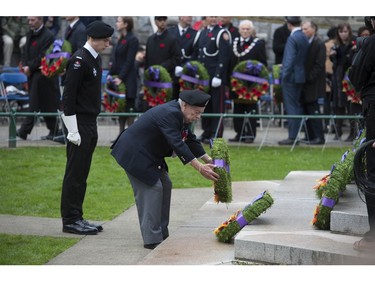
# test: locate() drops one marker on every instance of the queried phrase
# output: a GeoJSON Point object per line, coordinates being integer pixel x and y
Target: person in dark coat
{"type": "Point", "coordinates": [162, 131]}
{"type": "Point", "coordinates": [81, 106]}
{"type": "Point", "coordinates": [246, 47]}
{"type": "Point", "coordinates": [44, 91]}
{"type": "Point", "coordinates": [315, 85]}
{"type": "Point", "coordinates": [75, 33]}
{"type": "Point", "coordinates": [122, 64]}
{"type": "Point", "coordinates": [187, 38]}
{"type": "Point", "coordinates": [280, 36]}
{"type": "Point", "coordinates": [213, 51]}
{"type": "Point", "coordinates": [163, 48]}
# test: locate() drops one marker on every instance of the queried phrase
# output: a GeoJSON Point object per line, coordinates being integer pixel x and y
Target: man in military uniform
{"type": "Point", "coordinates": [82, 105]}
{"type": "Point", "coordinates": [162, 48]}
{"type": "Point", "coordinates": [162, 131]}
{"type": "Point", "coordinates": [213, 51]}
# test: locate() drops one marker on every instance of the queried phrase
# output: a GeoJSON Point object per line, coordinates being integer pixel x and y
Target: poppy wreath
{"type": "Point", "coordinates": [348, 89]}
{"type": "Point", "coordinates": [249, 81]}
{"type": "Point", "coordinates": [331, 187]}
{"type": "Point", "coordinates": [227, 230]}
{"type": "Point", "coordinates": [56, 58]}
{"type": "Point", "coordinates": [220, 157]}
{"type": "Point", "coordinates": [157, 85]}
{"type": "Point", "coordinates": [276, 81]}
{"type": "Point", "coordinates": [194, 76]}
{"type": "Point", "coordinates": [114, 95]}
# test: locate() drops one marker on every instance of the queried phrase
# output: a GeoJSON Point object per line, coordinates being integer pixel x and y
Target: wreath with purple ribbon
{"type": "Point", "coordinates": [157, 85]}
{"type": "Point", "coordinates": [249, 80]}
{"type": "Point", "coordinates": [194, 76]}
{"type": "Point", "coordinates": [228, 229]}
{"type": "Point", "coordinates": [56, 58]}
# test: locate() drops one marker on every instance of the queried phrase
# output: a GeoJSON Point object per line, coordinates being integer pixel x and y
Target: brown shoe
{"type": "Point", "coordinates": [364, 245]}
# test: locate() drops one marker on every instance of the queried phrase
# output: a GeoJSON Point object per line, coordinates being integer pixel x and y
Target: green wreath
{"type": "Point", "coordinates": [220, 157]}
{"type": "Point", "coordinates": [56, 58]}
{"type": "Point", "coordinates": [249, 81]}
{"type": "Point", "coordinates": [194, 76]}
{"type": "Point", "coordinates": [157, 85]}
{"type": "Point", "coordinates": [276, 76]}
{"type": "Point", "coordinates": [114, 95]}
{"type": "Point", "coordinates": [227, 230]}
{"type": "Point", "coordinates": [348, 89]}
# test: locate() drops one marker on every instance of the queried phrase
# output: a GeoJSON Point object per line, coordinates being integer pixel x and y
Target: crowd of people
{"type": "Point", "coordinates": [312, 69]}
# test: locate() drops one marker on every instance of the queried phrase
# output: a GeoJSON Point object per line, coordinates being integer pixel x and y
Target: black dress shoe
{"type": "Point", "coordinates": [151, 246]}
{"type": "Point", "coordinates": [21, 135]}
{"type": "Point", "coordinates": [235, 139]}
{"type": "Point", "coordinates": [287, 142]}
{"type": "Point", "coordinates": [248, 140]}
{"type": "Point", "coordinates": [79, 227]}
{"type": "Point", "coordinates": [317, 141]}
{"type": "Point", "coordinates": [97, 226]}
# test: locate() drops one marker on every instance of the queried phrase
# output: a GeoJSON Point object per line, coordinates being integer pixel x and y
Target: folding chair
{"type": "Point", "coordinates": [13, 96]}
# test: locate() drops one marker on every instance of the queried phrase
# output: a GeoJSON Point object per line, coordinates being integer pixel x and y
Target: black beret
{"type": "Point", "coordinates": [293, 20]}
{"type": "Point", "coordinates": [99, 30]}
{"type": "Point", "coordinates": [160, 17]}
{"type": "Point", "coordinates": [195, 97]}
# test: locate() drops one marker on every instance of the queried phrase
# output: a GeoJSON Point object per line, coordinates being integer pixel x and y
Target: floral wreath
{"type": "Point", "coordinates": [194, 76]}
{"type": "Point", "coordinates": [56, 58]}
{"type": "Point", "coordinates": [348, 89]}
{"type": "Point", "coordinates": [276, 80]}
{"type": "Point", "coordinates": [331, 187]}
{"type": "Point", "coordinates": [249, 80]}
{"type": "Point", "coordinates": [157, 85]}
{"type": "Point", "coordinates": [220, 157]}
{"type": "Point", "coordinates": [114, 95]}
{"type": "Point", "coordinates": [228, 229]}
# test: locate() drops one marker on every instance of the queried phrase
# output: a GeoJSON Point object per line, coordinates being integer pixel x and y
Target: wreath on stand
{"type": "Point", "coordinates": [56, 58]}
{"type": "Point", "coordinates": [348, 89]}
{"type": "Point", "coordinates": [249, 81]}
{"type": "Point", "coordinates": [157, 85]}
{"type": "Point", "coordinates": [194, 76]}
{"type": "Point", "coordinates": [114, 95]}
{"type": "Point", "coordinates": [220, 157]}
{"type": "Point", "coordinates": [276, 81]}
{"type": "Point", "coordinates": [228, 229]}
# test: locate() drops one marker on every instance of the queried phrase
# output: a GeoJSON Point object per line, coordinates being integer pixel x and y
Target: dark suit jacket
{"type": "Point", "coordinates": [76, 36]}
{"type": "Point", "coordinates": [122, 62]}
{"type": "Point", "coordinates": [280, 36]}
{"type": "Point", "coordinates": [315, 85]}
{"type": "Point", "coordinates": [294, 58]}
{"type": "Point", "coordinates": [142, 147]}
{"type": "Point", "coordinates": [187, 42]}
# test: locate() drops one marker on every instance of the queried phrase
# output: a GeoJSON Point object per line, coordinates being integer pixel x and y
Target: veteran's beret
{"type": "Point", "coordinates": [99, 30]}
{"type": "Point", "coordinates": [195, 97]}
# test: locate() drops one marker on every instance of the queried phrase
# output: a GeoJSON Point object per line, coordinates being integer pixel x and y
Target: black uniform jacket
{"type": "Point", "coordinates": [159, 132]}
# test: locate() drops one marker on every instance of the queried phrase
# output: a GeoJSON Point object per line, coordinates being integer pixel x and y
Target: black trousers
{"type": "Point", "coordinates": [242, 108]}
{"type": "Point", "coordinates": [314, 126]}
{"type": "Point", "coordinates": [215, 105]}
{"type": "Point", "coordinates": [77, 169]}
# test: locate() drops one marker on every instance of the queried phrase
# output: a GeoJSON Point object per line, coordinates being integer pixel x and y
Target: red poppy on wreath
{"type": "Point", "coordinates": [348, 88]}
{"type": "Point", "coordinates": [123, 41]}
{"type": "Point", "coordinates": [56, 58]}
{"type": "Point", "coordinates": [162, 45]}
{"type": "Point", "coordinates": [187, 35]}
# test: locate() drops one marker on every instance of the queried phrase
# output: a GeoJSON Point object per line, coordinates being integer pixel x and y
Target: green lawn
{"type": "Point", "coordinates": [31, 179]}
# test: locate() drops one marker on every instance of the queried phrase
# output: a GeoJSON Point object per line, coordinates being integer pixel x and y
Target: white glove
{"type": "Point", "coordinates": [71, 124]}
{"type": "Point", "coordinates": [178, 71]}
{"type": "Point", "coordinates": [216, 82]}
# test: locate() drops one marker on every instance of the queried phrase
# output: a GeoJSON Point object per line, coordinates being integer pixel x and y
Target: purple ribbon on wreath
{"type": "Point", "coordinates": [220, 163]}
{"type": "Point", "coordinates": [250, 78]}
{"type": "Point", "coordinates": [328, 202]}
{"type": "Point", "coordinates": [154, 74]}
{"type": "Point", "coordinates": [254, 69]}
{"type": "Point", "coordinates": [56, 50]}
{"type": "Point", "coordinates": [241, 220]}
{"type": "Point", "coordinates": [192, 69]}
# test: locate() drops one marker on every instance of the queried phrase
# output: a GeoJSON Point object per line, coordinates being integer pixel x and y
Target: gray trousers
{"type": "Point", "coordinates": [153, 206]}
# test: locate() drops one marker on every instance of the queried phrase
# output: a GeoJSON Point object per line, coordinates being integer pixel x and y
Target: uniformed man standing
{"type": "Point", "coordinates": [82, 104]}
{"type": "Point", "coordinates": [213, 51]}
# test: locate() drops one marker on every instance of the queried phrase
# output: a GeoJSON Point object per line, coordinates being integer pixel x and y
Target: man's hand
{"type": "Point", "coordinates": [207, 170]}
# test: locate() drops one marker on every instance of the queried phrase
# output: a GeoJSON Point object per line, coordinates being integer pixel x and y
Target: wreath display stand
{"type": "Point", "coordinates": [331, 187]}
{"type": "Point", "coordinates": [194, 76]}
{"type": "Point", "coordinates": [56, 58]}
{"type": "Point", "coordinates": [220, 157]}
{"type": "Point", "coordinates": [227, 230]}
{"type": "Point", "coordinates": [249, 81]}
{"type": "Point", "coordinates": [157, 85]}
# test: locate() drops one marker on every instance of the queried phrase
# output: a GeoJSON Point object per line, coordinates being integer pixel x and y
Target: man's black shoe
{"type": "Point", "coordinates": [21, 135]}
{"type": "Point", "coordinates": [287, 142]}
{"type": "Point", "coordinates": [79, 227]}
{"type": "Point", "coordinates": [97, 226]}
{"type": "Point", "coordinates": [317, 141]}
{"type": "Point", "coordinates": [151, 246]}
{"type": "Point", "coordinates": [248, 140]}
{"type": "Point", "coordinates": [235, 139]}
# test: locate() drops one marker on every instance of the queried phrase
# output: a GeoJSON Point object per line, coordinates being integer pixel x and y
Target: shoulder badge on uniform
{"type": "Point", "coordinates": [77, 64]}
